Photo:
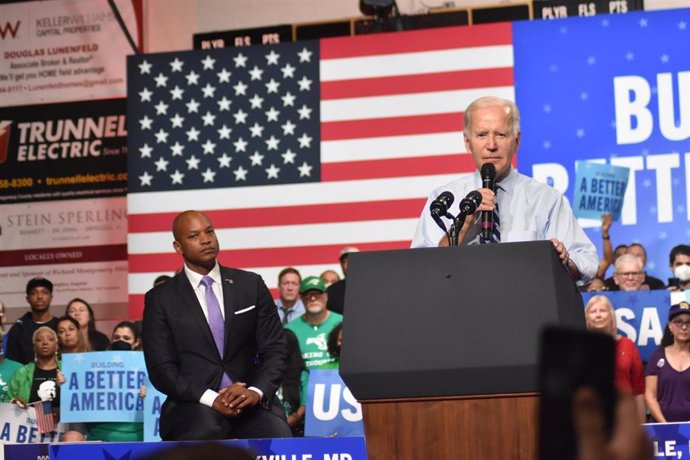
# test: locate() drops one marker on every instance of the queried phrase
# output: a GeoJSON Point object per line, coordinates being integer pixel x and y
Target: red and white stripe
{"type": "Point", "coordinates": [391, 122]}
{"type": "Point", "coordinates": [45, 421]}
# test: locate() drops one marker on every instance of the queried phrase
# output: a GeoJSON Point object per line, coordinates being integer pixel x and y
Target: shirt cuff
{"type": "Point", "coordinates": [208, 397]}
{"type": "Point", "coordinates": [261, 393]}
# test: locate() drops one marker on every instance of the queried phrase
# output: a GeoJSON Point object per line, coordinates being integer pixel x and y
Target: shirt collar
{"type": "Point", "coordinates": [195, 278]}
{"type": "Point", "coordinates": [508, 182]}
{"type": "Point", "coordinates": [295, 306]}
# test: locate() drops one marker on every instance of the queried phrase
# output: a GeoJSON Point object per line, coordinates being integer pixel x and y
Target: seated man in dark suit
{"type": "Point", "coordinates": [214, 344]}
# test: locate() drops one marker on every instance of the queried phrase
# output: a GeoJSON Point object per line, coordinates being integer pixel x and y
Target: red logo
{"type": "Point", "coordinates": [8, 28]}
{"type": "Point", "coordinates": [5, 126]}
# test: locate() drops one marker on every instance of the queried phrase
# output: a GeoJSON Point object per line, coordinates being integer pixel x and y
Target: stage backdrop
{"type": "Point", "coordinates": [612, 89]}
{"type": "Point", "coordinates": [297, 150]}
{"type": "Point", "coordinates": [300, 149]}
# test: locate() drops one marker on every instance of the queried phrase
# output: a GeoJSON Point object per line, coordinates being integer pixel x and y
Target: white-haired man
{"type": "Point", "coordinates": [524, 209]}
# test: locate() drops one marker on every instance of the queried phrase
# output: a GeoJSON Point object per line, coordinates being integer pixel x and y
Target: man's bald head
{"type": "Point", "coordinates": [195, 240]}
{"type": "Point", "coordinates": [182, 219]}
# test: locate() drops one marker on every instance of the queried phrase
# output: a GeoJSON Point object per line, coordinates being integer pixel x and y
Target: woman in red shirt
{"type": "Point", "coordinates": [601, 317]}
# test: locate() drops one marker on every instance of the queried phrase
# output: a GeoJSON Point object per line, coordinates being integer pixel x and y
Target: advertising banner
{"type": "Point", "coordinates": [63, 212]}
{"type": "Point", "coordinates": [63, 151]}
{"type": "Point", "coordinates": [67, 50]}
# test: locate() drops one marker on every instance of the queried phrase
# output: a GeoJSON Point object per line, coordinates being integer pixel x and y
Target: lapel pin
{"type": "Point", "coordinates": [228, 280]}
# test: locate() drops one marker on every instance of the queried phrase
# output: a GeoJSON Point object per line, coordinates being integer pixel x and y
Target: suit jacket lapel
{"type": "Point", "coordinates": [229, 302]}
{"type": "Point", "coordinates": [192, 309]}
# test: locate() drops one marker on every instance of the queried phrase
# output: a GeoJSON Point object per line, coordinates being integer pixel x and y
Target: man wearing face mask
{"type": "Point", "coordinates": [679, 260]}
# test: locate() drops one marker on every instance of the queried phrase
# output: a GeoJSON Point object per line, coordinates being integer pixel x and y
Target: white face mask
{"type": "Point", "coordinates": [682, 272]}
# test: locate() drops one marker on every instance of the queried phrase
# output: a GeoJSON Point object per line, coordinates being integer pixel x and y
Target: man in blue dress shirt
{"type": "Point", "coordinates": [528, 210]}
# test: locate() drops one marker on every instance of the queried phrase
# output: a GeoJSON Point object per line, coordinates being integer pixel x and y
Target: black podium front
{"type": "Point", "coordinates": [452, 321]}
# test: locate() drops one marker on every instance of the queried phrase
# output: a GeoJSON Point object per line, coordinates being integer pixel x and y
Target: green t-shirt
{"type": "Point", "coordinates": [7, 370]}
{"type": "Point", "coordinates": [313, 340]}
{"type": "Point", "coordinates": [116, 431]}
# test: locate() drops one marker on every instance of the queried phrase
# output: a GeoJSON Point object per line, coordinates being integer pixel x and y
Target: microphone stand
{"type": "Point", "coordinates": [455, 228]}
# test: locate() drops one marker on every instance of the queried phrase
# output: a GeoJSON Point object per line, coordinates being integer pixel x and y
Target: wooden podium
{"type": "Point", "coordinates": [440, 346]}
{"type": "Point", "coordinates": [470, 427]}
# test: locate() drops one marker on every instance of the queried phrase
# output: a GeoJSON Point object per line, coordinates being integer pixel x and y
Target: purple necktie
{"type": "Point", "coordinates": [216, 322]}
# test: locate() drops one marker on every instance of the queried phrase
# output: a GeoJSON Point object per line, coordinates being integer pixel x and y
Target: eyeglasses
{"type": "Point", "coordinates": [629, 274]}
{"type": "Point", "coordinates": [310, 294]}
{"type": "Point", "coordinates": [679, 323]}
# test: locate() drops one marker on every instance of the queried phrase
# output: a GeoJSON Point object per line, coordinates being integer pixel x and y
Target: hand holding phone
{"type": "Point", "coordinates": [572, 359]}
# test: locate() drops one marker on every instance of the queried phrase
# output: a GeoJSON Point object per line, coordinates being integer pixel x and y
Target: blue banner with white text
{"type": "Point", "coordinates": [153, 401]}
{"type": "Point", "coordinates": [599, 189]}
{"type": "Point", "coordinates": [670, 440]}
{"type": "Point", "coordinates": [352, 448]}
{"type": "Point", "coordinates": [614, 89]}
{"type": "Point", "coordinates": [103, 386]}
{"type": "Point", "coordinates": [331, 408]}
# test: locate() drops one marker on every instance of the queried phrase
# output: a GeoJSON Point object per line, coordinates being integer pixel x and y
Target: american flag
{"type": "Point", "coordinates": [299, 149]}
{"type": "Point", "coordinates": [44, 417]}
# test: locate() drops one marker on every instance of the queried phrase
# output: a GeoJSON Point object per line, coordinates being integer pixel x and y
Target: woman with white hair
{"type": "Point", "coordinates": [630, 379]}
{"type": "Point", "coordinates": [37, 381]}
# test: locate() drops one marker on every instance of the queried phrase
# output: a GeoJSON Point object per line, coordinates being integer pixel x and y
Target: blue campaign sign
{"type": "Point", "coordinates": [599, 189]}
{"type": "Point", "coordinates": [612, 88]}
{"type": "Point", "coordinates": [331, 408]}
{"type": "Point", "coordinates": [102, 387]}
{"type": "Point", "coordinates": [351, 448]}
{"type": "Point", "coordinates": [641, 316]}
{"type": "Point", "coordinates": [152, 412]}
{"type": "Point", "coordinates": [670, 440]}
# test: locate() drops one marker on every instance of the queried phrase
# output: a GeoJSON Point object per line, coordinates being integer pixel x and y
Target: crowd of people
{"type": "Point", "coordinates": [30, 359]}
{"type": "Point", "coordinates": [660, 390]}
{"type": "Point", "coordinates": [219, 347]}
{"type": "Point", "coordinates": [30, 366]}
{"type": "Point", "coordinates": [629, 262]}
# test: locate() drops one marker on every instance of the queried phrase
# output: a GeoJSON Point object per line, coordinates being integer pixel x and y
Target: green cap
{"type": "Point", "coordinates": [312, 283]}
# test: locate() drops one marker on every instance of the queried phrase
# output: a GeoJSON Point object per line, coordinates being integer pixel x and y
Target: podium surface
{"type": "Point", "coordinates": [452, 321]}
{"type": "Point", "coordinates": [441, 346]}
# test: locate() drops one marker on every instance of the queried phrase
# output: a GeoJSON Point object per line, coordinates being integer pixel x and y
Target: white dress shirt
{"type": "Point", "coordinates": [529, 211]}
{"type": "Point", "coordinates": [200, 290]}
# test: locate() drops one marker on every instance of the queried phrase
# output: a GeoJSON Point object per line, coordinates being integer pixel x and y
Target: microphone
{"type": "Point", "coordinates": [468, 205]}
{"type": "Point", "coordinates": [439, 207]}
{"type": "Point", "coordinates": [488, 173]}
{"type": "Point", "coordinates": [471, 202]}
